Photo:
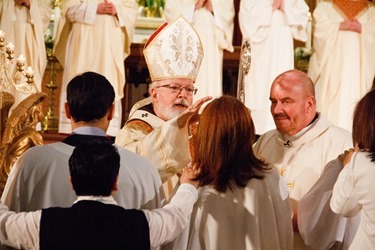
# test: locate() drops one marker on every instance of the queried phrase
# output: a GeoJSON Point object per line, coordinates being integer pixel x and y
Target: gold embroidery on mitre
{"type": "Point", "coordinates": [174, 52]}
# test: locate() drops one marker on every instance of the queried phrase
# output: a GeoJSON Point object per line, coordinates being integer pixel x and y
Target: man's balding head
{"type": "Point", "coordinates": [293, 104]}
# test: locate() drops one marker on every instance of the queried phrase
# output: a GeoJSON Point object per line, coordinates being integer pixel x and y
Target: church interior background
{"type": "Point", "coordinates": [137, 77]}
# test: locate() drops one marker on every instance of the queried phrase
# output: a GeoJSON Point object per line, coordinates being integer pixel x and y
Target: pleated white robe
{"type": "Point", "coordinates": [86, 41]}
{"type": "Point", "coordinates": [216, 33]}
{"type": "Point", "coordinates": [342, 66]}
{"type": "Point", "coordinates": [271, 36]}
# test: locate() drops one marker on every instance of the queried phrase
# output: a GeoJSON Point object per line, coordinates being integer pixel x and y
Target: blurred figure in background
{"type": "Point", "coordinates": [271, 27]}
{"type": "Point", "coordinates": [342, 64]}
{"type": "Point", "coordinates": [24, 23]}
{"type": "Point", "coordinates": [95, 36]}
{"type": "Point", "coordinates": [213, 21]}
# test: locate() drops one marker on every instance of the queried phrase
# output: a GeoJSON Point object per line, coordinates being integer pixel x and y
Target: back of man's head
{"type": "Point", "coordinates": [93, 168]}
{"type": "Point", "coordinates": [89, 96]}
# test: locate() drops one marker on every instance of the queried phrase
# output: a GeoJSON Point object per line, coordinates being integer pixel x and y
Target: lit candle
{"type": "Point", "coordinates": [309, 31]}
{"type": "Point", "coordinates": [10, 47]}
{"type": "Point", "coordinates": [29, 72]}
{"type": "Point", "coordinates": [21, 59]}
{"type": "Point", "coordinates": [2, 34]}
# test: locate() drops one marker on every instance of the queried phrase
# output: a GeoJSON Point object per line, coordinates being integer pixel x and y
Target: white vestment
{"type": "Point", "coordinates": [354, 193]}
{"type": "Point", "coordinates": [216, 33]}
{"type": "Point", "coordinates": [255, 217]}
{"type": "Point", "coordinates": [86, 41]}
{"type": "Point", "coordinates": [25, 28]}
{"type": "Point", "coordinates": [301, 159]}
{"type": "Point", "coordinates": [342, 65]}
{"type": "Point", "coordinates": [319, 226]}
{"type": "Point", "coordinates": [271, 34]}
{"type": "Point", "coordinates": [40, 179]}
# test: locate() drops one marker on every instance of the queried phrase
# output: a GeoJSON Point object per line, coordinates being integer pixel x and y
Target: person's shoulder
{"type": "Point", "coordinates": [332, 130]}
{"type": "Point", "coordinates": [138, 105]}
{"type": "Point", "coordinates": [130, 158]}
{"type": "Point", "coordinates": [266, 136]}
{"type": "Point", "coordinates": [364, 158]}
{"type": "Point", "coordinates": [44, 156]}
{"type": "Point", "coordinates": [139, 125]}
{"type": "Point", "coordinates": [48, 149]}
{"type": "Point", "coordinates": [338, 133]}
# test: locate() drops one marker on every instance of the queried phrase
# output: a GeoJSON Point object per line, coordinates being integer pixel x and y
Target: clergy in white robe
{"type": "Point", "coordinates": [301, 158]}
{"type": "Point", "coordinates": [152, 137]}
{"type": "Point", "coordinates": [213, 21]}
{"type": "Point", "coordinates": [92, 39]}
{"type": "Point", "coordinates": [40, 177]}
{"type": "Point", "coordinates": [342, 64]}
{"type": "Point", "coordinates": [24, 23]}
{"type": "Point", "coordinates": [304, 141]}
{"type": "Point", "coordinates": [354, 191]}
{"type": "Point", "coordinates": [271, 27]}
{"type": "Point", "coordinates": [156, 125]}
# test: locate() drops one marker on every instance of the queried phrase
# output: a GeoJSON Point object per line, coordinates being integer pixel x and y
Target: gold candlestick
{"type": "Point", "coordinates": [51, 121]}
{"type": "Point", "coordinates": [21, 81]}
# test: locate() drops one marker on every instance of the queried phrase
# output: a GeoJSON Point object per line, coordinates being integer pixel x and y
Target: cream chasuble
{"type": "Point", "coordinates": [163, 143]}
{"type": "Point", "coordinates": [301, 159]}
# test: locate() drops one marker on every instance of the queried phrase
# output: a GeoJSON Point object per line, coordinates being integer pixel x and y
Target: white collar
{"type": "Point", "coordinates": [102, 199]}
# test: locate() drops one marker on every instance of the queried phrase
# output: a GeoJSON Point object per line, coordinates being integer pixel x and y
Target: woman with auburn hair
{"type": "Point", "coordinates": [243, 203]}
{"type": "Point", "coordinates": [354, 191]}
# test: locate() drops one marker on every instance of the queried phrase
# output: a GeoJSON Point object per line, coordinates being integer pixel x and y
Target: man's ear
{"type": "Point", "coordinates": [111, 112]}
{"type": "Point", "coordinates": [67, 111]}
{"type": "Point", "coordinates": [154, 95]}
{"type": "Point", "coordinates": [70, 180]}
{"type": "Point", "coordinates": [311, 103]}
{"type": "Point", "coordinates": [114, 188]}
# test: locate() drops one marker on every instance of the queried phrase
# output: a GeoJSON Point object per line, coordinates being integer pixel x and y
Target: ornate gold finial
{"type": "Point", "coordinates": [244, 68]}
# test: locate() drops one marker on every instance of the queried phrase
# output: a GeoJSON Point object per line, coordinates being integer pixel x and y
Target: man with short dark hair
{"type": "Point", "coordinates": [39, 179]}
{"type": "Point", "coordinates": [95, 221]}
